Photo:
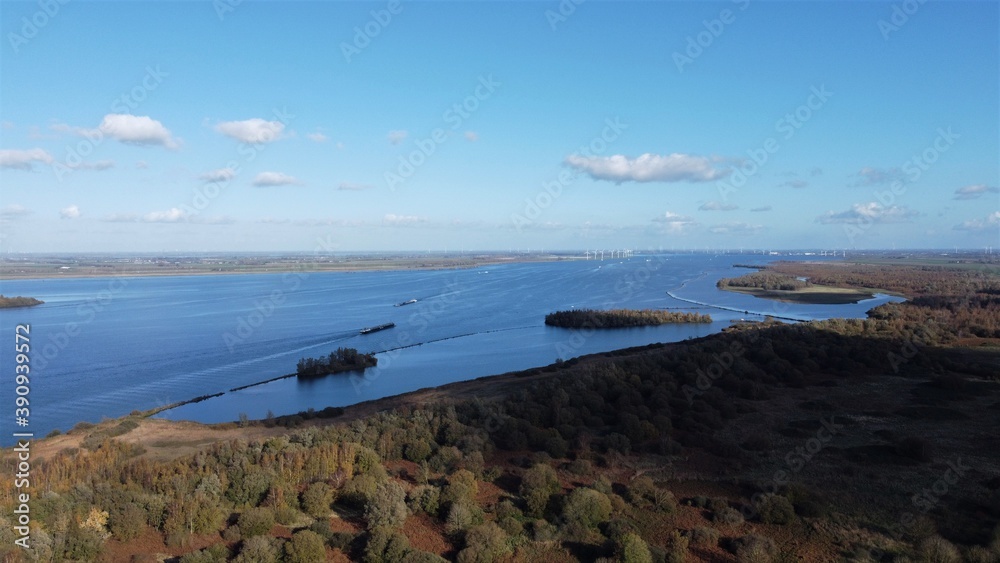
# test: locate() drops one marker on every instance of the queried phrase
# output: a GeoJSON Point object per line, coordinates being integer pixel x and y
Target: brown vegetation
{"type": "Point", "coordinates": [11, 302]}
{"type": "Point", "coordinates": [768, 442]}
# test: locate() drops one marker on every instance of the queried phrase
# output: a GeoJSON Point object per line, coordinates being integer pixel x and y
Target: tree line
{"type": "Point", "coordinates": [764, 280]}
{"type": "Point", "coordinates": [621, 318]}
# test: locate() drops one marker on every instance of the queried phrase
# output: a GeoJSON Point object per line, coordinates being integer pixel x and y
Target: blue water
{"type": "Point", "coordinates": [103, 347]}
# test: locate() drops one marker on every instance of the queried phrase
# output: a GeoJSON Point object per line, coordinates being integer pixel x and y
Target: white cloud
{"type": "Point", "coordinates": [14, 211]}
{"type": "Point", "coordinates": [352, 186]}
{"type": "Point", "coordinates": [265, 179]}
{"type": "Point", "coordinates": [71, 212]}
{"type": "Point", "coordinates": [120, 218]}
{"type": "Point", "coordinates": [99, 165]}
{"type": "Point", "coordinates": [760, 209]}
{"type": "Point", "coordinates": [172, 215]}
{"type": "Point", "coordinates": [402, 220]}
{"type": "Point", "coordinates": [736, 228]}
{"type": "Point", "coordinates": [872, 212]}
{"type": "Point", "coordinates": [218, 175]}
{"type": "Point", "coordinates": [471, 136]}
{"type": "Point", "coordinates": [23, 159]}
{"type": "Point", "coordinates": [674, 222]}
{"type": "Point", "coordinates": [136, 130]}
{"type": "Point", "coordinates": [340, 145]}
{"type": "Point", "coordinates": [975, 191]}
{"type": "Point", "coordinates": [397, 136]}
{"type": "Point", "coordinates": [718, 206]}
{"type": "Point", "coordinates": [142, 165]}
{"type": "Point", "coordinates": [869, 176]}
{"type": "Point", "coordinates": [317, 137]}
{"type": "Point", "coordinates": [646, 168]}
{"type": "Point", "coordinates": [252, 131]}
{"type": "Point", "coordinates": [215, 220]}
{"type": "Point", "coordinates": [990, 223]}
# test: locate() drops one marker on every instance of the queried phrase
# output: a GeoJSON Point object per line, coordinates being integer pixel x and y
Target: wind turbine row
{"type": "Point", "coordinates": [625, 253]}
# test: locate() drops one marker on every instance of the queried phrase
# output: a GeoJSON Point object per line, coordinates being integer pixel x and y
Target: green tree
{"type": "Point", "coordinates": [248, 485]}
{"type": "Point", "coordinates": [538, 484]}
{"type": "Point", "coordinates": [461, 487]}
{"type": "Point", "coordinates": [255, 521]}
{"type": "Point", "coordinates": [775, 509]}
{"type": "Point", "coordinates": [214, 554]}
{"type": "Point", "coordinates": [259, 549]}
{"type": "Point", "coordinates": [586, 507]}
{"type": "Point", "coordinates": [418, 450]}
{"type": "Point", "coordinates": [425, 498]}
{"type": "Point", "coordinates": [385, 546]}
{"type": "Point", "coordinates": [125, 521]}
{"type": "Point", "coordinates": [635, 550]}
{"type": "Point", "coordinates": [462, 516]}
{"type": "Point", "coordinates": [414, 556]}
{"type": "Point", "coordinates": [484, 544]}
{"type": "Point", "coordinates": [387, 507]}
{"type": "Point", "coordinates": [316, 500]}
{"type": "Point", "coordinates": [306, 547]}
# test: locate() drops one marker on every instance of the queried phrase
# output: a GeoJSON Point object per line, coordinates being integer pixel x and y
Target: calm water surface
{"type": "Point", "coordinates": [103, 347]}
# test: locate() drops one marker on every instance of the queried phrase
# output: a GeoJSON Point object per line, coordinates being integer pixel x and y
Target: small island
{"type": "Point", "coordinates": [780, 287]}
{"type": "Point", "coordinates": [11, 302]}
{"type": "Point", "coordinates": [621, 318]}
{"type": "Point", "coordinates": [339, 361]}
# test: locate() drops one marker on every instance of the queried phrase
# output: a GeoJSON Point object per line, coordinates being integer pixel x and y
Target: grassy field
{"type": "Point", "coordinates": [814, 294]}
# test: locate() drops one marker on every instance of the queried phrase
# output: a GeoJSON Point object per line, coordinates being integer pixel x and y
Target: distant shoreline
{"type": "Point", "coordinates": [94, 268]}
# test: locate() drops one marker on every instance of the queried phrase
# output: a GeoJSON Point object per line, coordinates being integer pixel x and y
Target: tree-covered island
{"type": "Point", "coordinates": [341, 360]}
{"type": "Point", "coordinates": [621, 318]}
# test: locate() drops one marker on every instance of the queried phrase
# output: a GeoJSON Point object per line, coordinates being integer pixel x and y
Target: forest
{"type": "Point", "coordinates": [621, 318]}
{"type": "Point", "coordinates": [764, 280]}
{"type": "Point", "coordinates": [833, 440]}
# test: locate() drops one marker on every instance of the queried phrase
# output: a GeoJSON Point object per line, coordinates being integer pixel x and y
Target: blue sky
{"type": "Point", "coordinates": [214, 126]}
